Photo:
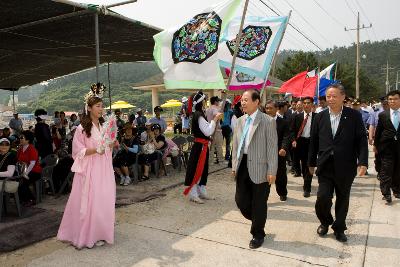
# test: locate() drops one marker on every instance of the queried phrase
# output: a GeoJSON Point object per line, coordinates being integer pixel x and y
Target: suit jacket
{"type": "Point", "coordinates": [283, 131]}
{"type": "Point", "coordinates": [349, 144]}
{"type": "Point", "coordinates": [262, 156]}
{"type": "Point", "coordinates": [385, 132]}
{"type": "Point", "coordinates": [297, 121]}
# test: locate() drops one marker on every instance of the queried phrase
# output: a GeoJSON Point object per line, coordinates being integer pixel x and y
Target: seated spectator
{"type": "Point", "coordinates": [72, 120]}
{"type": "Point", "coordinates": [16, 124]}
{"type": "Point", "coordinates": [69, 139]}
{"type": "Point", "coordinates": [62, 128]}
{"type": "Point", "coordinates": [56, 138]}
{"type": "Point", "coordinates": [28, 154]}
{"type": "Point", "coordinates": [6, 133]}
{"type": "Point", "coordinates": [155, 144]}
{"type": "Point", "coordinates": [144, 134]}
{"type": "Point", "coordinates": [7, 159]}
{"type": "Point", "coordinates": [126, 154]}
{"type": "Point", "coordinates": [158, 119]}
{"type": "Point", "coordinates": [140, 121]}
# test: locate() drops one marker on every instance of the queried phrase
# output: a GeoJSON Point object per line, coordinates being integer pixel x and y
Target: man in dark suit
{"type": "Point", "coordinates": [282, 129]}
{"type": "Point", "coordinates": [301, 129]}
{"type": "Point", "coordinates": [338, 144]}
{"type": "Point", "coordinates": [387, 143]}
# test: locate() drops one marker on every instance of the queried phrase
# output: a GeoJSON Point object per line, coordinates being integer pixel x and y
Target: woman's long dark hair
{"type": "Point", "coordinates": [86, 122]}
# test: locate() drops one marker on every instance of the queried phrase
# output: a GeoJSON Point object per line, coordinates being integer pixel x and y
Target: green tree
{"type": "Point", "coordinates": [295, 64]}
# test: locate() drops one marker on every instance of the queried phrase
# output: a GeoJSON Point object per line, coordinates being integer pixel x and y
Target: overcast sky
{"type": "Point", "coordinates": [325, 30]}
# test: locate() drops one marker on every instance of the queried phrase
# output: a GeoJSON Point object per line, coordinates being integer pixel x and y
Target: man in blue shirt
{"type": "Point", "coordinates": [158, 120]}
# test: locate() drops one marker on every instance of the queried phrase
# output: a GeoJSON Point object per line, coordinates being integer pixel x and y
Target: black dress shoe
{"type": "Point", "coordinates": [396, 195]}
{"type": "Point", "coordinates": [340, 236]}
{"type": "Point", "coordinates": [322, 230]}
{"type": "Point", "coordinates": [388, 199]}
{"type": "Point", "coordinates": [306, 194]}
{"type": "Point", "coordinates": [297, 175]}
{"type": "Point", "coordinates": [283, 198]}
{"type": "Point", "coordinates": [256, 243]}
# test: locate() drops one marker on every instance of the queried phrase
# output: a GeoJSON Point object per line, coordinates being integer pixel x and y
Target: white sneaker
{"type": "Point", "coordinates": [100, 243]}
{"type": "Point", "coordinates": [127, 180]}
{"type": "Point", "coordinates": [122, 180]}
{"type": "Point", "coordinates": [202, 192]}
{"type": "Point", "coordinates": [196, 200]}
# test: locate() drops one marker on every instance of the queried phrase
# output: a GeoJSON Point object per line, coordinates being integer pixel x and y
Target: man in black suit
{"type": "Point", "coordinates": [387, 143]}
{"type": "Point", "coordinates": [301, 129]}
{"type": "Point", "coordinates": [338, 141]}
{"type": "Point", "coordinates": [282, 128]}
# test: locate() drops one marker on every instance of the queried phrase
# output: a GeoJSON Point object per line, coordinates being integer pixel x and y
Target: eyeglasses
{"type": "Point", "coordinates": [22, 137]}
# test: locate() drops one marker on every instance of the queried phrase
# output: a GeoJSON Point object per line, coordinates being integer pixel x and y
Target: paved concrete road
{"type": "Point", "coordinates": [171, 231]}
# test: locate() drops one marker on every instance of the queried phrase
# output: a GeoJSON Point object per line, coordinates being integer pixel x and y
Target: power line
{"type": "Point", "coordinates": [306, 21]}
{"type": "Point", "coordinates": [295, 28]}
{"type": "Point", "coordinates": [348, 5]}
{"type": "Point", "coordinates": [333, 18]}
{"type": "Point", "coordinates": [368, 20]}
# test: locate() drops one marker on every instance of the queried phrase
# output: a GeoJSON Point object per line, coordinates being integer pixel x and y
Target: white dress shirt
{"type": "Point", "coordinates": [335, 119]}
{"type": "Point", "coordinates": [307, 128]}
{"type": "Point", "coordinates": [247, 141]}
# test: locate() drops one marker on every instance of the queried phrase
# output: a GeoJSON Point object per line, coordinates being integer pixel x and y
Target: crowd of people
{"type": "Point", "coordinates": [257, 141]}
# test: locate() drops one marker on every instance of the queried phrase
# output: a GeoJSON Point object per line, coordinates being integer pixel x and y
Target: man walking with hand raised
{"type": "Point", "coordinates": [254, 163]}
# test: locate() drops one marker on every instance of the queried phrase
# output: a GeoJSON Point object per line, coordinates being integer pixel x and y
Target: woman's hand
{"type": "Point", "coordinates": [218, 117]}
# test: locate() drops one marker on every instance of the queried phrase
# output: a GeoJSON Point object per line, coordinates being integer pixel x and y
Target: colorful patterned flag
{"type": "Point", "coordinates": [260, 41]}
{"type": "Point", "coordinates": [242, 81]}
{"type": "Point", "coordinates": [188, 54]}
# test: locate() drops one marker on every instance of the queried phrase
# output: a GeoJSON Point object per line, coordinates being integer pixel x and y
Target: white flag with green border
{"type": "Point", "coordinates": [188, 54]}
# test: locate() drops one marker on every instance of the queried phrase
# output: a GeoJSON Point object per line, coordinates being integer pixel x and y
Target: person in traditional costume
{"type": "Point", "coordinates": [197, 169]}
{"type": "Point", "coordinates": [89, 215]}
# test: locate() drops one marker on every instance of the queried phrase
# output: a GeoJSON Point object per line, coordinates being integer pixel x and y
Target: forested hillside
{"type": "Point", "coordinates": [66, 93]}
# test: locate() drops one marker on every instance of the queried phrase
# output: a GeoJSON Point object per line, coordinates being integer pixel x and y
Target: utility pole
{"type": "Point", "coordinates": [397, 80]}
{"type": "Point", "coordinates": [387, 68]}
{"type": "Point", "coordinates": [358, 51]}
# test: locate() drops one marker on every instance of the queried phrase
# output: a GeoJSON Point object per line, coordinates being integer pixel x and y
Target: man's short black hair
{"type": "Point", "coordinates": [308, 98]}
{"type": "Point", "coordinates": [214, 100]}
{"type": "Point", "coordinates": [255, 95]}
{"type": "Point", "coordinates": [393, 93]}
{"type": "Point", "coordinates": [271, 102]}
{"type": "Point", "coordinates": [337, 86]}
{"type": "Point", "coordinates": [322, 98]}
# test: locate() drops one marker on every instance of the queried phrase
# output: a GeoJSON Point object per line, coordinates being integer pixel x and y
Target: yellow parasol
{"type": "Point", "coordinates": [171, 104]}
{"type": "Point", "coordinates": [121, 105]}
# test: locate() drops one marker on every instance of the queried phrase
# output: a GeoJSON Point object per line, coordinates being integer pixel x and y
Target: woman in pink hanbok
{"type": "Point", "coordinates": [90, 211]}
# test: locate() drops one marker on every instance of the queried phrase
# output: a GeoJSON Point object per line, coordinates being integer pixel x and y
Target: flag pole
{"type": "Point", "coordinates": [319, 70]}
{"type": "Point", "coordinates": [335, 70]}
{"type": "Point", "coordinates": [274, 57]}
{"type": "Point", "coordinates": [238, 37]}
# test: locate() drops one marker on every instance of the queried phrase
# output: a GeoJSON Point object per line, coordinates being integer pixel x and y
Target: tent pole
{"type": "Point", "coordinates": [13, 101]}
{"type": "Point", "coordinates": [109, 85]}
{"type": "Point", "coordinates": [96, 30]}
{"type": "Point", "coordinates": [238, 37]}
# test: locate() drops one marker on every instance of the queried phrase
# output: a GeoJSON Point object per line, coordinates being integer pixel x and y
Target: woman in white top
{"type": "Point", "coordinates": [197, 169]}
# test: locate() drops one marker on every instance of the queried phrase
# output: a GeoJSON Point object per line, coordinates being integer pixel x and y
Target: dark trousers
{"type": "Point", "coordinates": [227, 135]}
{"type": "Point", "coordinates": [251, 199]}
{"type": "Point", "coordinates": [328, 184]}
{"type": "Point", "coordinates": [389, 174]}
{"type": "Point", "coordinates": [281, 177]}
{"type": "Point", "coordinates": [296, 169]}
{"type": "Point", "coordinates": [302, 154]}
{"type": "Point", "coordinates": [24, 191]}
